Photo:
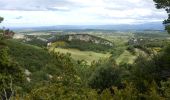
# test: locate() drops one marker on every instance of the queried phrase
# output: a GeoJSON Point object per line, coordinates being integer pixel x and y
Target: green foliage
{"type": "Point", "coordinates": [88, 46]}
{"type": "Point", "coordinates": [128, 93]}
{"type": "Point", "coordinates": [30, 57]}
{"type": "Point", "coordinates": [11, 74]}
{"type": "Point", "coordinates": [144, 72]}
{"type": "Point", "coordinates": [1, 19]}
{"type": "Point", "coordinates": [83, 71]}
{"type": "Point", "coordinates": [60, 92]}
{"type": "Point", "coordinates": [164, 4]}
{"type": "Point", "coordinates": [131, 49]}
{"type": "Point", "coordinates": [147, 70]}
{"type": "Point", "coordinates": [77, 80]}
{"type": "Point", "coordinates": [165, 87]}
{"type": "Point", "coordinates": [144, 48]}
{"type": "Point", "coordinates": [153, 93]}
{"type": "Point", "coordinates": [117, 51]}
{"type": "Point", "coordinates": [64, 61]}
{"type": "Point", "coordinates": [92, 43]}
{"type": "Point", "coordinates": [105, 76]}
{"type": "Point", "coordinates": [55, 75]}
{"type": "Point", "coordinates": [64, 86]}
{"type": "Point", "coordinates": [37, 42]}
{"type": "Point", "coordinates": [167, 28]}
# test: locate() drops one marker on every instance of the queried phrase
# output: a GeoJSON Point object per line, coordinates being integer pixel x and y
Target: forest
{"type": "Point", "coordinates": [105, 66]}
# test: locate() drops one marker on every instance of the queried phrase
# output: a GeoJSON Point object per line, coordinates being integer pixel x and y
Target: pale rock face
{"type": "Point", "coordinates": [59, 77]}
{"type": "Point", "coordinates": [135, 40]}
{"type": "Point", "coordinates": [70, 38]}
{"type": "Point", "coordinates": [28, 39]}
{"type": "Point", "coordinates": [44, 40]}
{"type": "Point", "coordinates": [97, 42]}
{"type": "Point", "coordinates": [27, 72]}
{"type": "Point", "coordinates": [49, 44]}
{"type": "Point", "coordinates": [87, 38]}
{"type": "Point", "coordinates": [50, 76]}
{"type": "Point", "coordinates": [28, 79]}
{"type": "Point", "coordinates": [19, 36]}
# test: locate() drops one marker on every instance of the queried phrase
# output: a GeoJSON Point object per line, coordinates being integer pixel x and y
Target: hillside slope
{"type": "Point", "coordinates": [30, 55]}
{"type": "Point", "coordinates": [83, 42]}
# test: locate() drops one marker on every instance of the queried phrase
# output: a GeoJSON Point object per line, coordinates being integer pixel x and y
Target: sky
{"type": "Point", "coordinates": [29, 13]}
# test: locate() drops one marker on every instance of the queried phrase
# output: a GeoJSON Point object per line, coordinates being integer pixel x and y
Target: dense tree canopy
{"type": "Point", "coordinates": [164, 4]}
{"type": "Point", "coordinates": [11, 74]}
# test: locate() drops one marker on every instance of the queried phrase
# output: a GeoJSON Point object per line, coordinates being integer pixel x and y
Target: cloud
{"type": "Point", "coordinates": [78, 12]}
{"type": "Point", "coordinates": [19, 17]}
{"type": "Point", "coordinates": [58, 9]}
{"type": "Point", "coordinates": [32, 5]}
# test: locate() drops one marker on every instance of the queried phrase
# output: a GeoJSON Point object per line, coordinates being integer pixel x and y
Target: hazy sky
{"type": "Point", "coordinates": [78, 12]}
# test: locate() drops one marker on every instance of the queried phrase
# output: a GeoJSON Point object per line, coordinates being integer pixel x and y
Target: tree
{"type": "Point", "coordinates": [164, 4]}
{"type": "Point", "coordinates": [11, 75]}
{"type": "Point", "coordinates": [1, 19]}
{"type": "Point", "coordinates": [105, 76]}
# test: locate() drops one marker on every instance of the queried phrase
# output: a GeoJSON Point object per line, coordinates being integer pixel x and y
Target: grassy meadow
{"type": "Point", "coordinates": [88, 56]}
{"type": "Point", "coordinates": [126, 57]}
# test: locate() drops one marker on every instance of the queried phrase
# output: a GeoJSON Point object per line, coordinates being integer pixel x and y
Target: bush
{"type": "Point", "coordinates": [131, 49]}
{"type": "Point", "coordinates": [88, 46]}
{"type": "Point", "coordinates": [105, 76]}
{"type": "Point", "coordinates": [11, 75]}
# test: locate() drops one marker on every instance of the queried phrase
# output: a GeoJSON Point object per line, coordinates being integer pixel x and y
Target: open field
{"type": "Point", "coordinates": [126, 57]}
{"type": "Point", "coordinates": [88, 56]}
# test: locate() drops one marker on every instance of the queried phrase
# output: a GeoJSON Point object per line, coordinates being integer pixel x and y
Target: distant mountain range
{"type": "Point", "coordinates": [120, 27]}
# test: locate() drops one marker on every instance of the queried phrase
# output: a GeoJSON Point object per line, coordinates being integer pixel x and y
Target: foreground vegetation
{"type": "Point", "coordinates": [138, 69]}
{"type": "Point", "coordinates": [58, 73]}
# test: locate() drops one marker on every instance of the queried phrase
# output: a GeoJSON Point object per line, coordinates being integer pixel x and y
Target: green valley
{"type": "Point", "coordinates": [84, 50]}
